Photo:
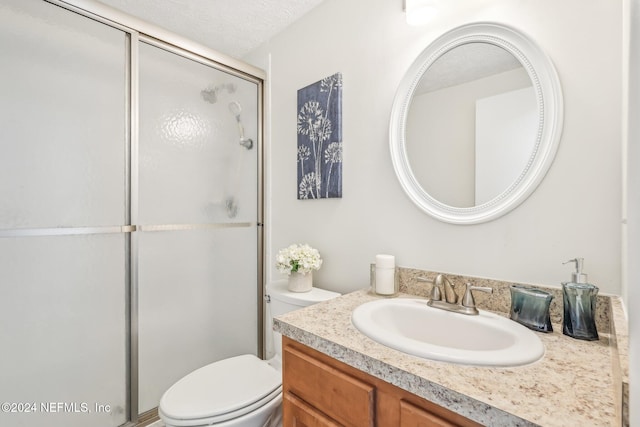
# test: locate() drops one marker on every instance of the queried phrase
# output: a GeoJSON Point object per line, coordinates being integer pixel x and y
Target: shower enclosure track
{"type": "Point", "coordinates": [75, 231]}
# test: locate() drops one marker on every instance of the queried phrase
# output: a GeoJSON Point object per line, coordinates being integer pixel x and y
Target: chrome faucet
{"type": "Point", "coordinates": [450, 295]}
{"type": "Point", "coordinates": [442, 285]}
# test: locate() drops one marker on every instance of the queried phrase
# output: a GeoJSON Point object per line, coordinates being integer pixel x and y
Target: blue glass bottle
{"type": "Point", "coordinates": [579, 306]}
{"type": "Point", "coordinates": [579, 303]}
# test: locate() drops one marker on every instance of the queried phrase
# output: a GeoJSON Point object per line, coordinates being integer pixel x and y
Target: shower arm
{"type": "Point", "coordinates": [245, 142]}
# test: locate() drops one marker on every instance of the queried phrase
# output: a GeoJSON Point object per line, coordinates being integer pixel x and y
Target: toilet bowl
{"type": "Point", "coordinates": [241, 391]}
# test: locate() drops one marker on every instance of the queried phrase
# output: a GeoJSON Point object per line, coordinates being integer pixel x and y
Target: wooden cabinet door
{"type": "Point", "coordinates": [346, 399]}
{"type": "Point", "coordinates": [414, 416]}
{"type": "Point", "coordinates": [297, 413]}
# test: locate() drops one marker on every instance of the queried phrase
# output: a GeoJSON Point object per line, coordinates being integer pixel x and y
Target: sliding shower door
{"type": "Point", "coordinates": [63, 250]}
{"type": "Point", "coordinates": [130, 227]}
{"type": "Point", "coordinates": [197, 239]}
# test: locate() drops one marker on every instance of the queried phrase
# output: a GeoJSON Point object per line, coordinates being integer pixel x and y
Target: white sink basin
{"type": "Point", "coordinates": [410, 326]}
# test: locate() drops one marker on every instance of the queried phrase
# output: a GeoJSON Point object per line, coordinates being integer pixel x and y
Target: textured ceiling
{"type": "Point", "coordinates": [233, 27]}
{"type": "Point", "coordinates": [466, 63]}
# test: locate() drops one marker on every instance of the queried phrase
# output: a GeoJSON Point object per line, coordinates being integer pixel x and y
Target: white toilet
{"type": "Point", "coordinates": [242, 391]}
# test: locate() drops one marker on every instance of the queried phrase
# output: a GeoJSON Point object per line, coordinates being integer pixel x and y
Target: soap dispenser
{"type": "Point", "coordinates": [579, 303]}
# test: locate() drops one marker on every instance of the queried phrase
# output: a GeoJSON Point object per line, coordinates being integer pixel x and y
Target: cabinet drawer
{"type": "Point", "coordinates": [342, 397]}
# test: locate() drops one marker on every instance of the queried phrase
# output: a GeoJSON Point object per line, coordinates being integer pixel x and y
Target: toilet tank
{"type": "Point", "coordinates": [282, 301]}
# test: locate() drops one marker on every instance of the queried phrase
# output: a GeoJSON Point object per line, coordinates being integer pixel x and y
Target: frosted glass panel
{"type": "Point", "coordinates": [63, 163]}
{"type": "Point", "coordinates": [192, 166]}
{"type": "Point", "coordinates": [197, 303]}
{"type": "Point", "coordinates": [197, 289]}
{"type": "Point", "coordinates": [63, 334]}
{"type": "Point", "coordinates": [62, 117]}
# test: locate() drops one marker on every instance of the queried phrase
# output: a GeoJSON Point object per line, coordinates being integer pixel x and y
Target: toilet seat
{"type": "Point", "coordinates": [221, 391]}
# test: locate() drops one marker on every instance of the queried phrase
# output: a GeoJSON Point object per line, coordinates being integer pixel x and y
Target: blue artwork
{"type": "Point", "coordinates": [320, 139]}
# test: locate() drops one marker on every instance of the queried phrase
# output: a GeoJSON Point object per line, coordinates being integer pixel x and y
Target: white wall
{"type": "Point", "coordinates": [575, 212]}
{"type": "Point", "coordinates": [631, 289]}
{"type": "Point", "coordinates": [448, 116]}
{"type": "Point", "coordinates": [502, 150]}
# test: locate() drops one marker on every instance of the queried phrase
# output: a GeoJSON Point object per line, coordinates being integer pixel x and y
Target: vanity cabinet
{"type": "Point", "coordinates": [319, 391]}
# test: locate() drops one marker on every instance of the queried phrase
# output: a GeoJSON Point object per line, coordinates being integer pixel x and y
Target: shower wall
{"type": "Point", "coordinates": [129, 211]}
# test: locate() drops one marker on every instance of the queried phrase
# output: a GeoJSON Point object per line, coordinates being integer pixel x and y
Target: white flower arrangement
{"type": "Point", "coordinates": [297, 257]}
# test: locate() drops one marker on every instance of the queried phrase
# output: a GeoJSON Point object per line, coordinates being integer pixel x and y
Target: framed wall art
{"type": "Point", "coordinates": [319, 160]}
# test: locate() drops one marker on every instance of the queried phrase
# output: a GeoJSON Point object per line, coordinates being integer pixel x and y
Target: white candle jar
{"type": "Point", "coordinates": [383, 276]}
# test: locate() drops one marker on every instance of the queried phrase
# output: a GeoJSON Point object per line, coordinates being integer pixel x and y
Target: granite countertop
{"type": "Point", "coordinates": [576, 383]}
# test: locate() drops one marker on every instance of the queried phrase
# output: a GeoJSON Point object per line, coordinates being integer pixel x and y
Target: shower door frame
{"type": "Point", "coordinates": [138, 31]}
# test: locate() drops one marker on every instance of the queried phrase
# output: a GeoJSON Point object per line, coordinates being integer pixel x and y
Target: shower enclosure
{"type": "Point", "coordinates": [130, 213]}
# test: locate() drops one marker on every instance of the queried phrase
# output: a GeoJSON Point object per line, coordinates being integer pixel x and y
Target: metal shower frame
{"type": "Point", "coordinates": [137, 31]}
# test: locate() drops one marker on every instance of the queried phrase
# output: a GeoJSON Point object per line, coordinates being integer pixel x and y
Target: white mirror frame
{"type": "Point", "coordinates": [549, 98]}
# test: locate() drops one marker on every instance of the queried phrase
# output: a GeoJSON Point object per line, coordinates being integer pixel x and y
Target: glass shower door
{"type": "Point", "coordinates": [63, 256]}
{"type": "Point", "coordinates": [197, 211]}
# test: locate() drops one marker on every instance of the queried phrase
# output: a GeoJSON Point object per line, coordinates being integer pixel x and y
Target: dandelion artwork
{"type": "Point", "coordinates": [320, 139]}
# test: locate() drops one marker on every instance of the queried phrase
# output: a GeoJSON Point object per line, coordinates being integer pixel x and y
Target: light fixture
{"type": "Point", "coordinates": [420, 12]}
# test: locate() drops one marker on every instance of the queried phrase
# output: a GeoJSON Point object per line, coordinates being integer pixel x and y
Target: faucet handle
{"type": "Point", "coordinates": [435, 294]}
{"type": "Point", "coordinates": [467, 299]}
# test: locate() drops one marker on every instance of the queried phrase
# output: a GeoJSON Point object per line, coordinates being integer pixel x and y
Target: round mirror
{"type": "Point", "coordinates": [476, 123]}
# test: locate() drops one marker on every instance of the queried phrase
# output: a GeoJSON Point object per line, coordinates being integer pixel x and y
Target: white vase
{"type": "Point", "coordinates": [300, 282]}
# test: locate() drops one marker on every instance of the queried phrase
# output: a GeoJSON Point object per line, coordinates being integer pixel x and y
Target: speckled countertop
{"type": "Point", "coordinates": [574, 384]}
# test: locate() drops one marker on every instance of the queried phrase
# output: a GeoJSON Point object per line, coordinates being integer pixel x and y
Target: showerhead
{"type": "Point", "coordinates": [235, 108]}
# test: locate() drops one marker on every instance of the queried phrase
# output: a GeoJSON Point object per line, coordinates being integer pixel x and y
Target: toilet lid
{"type": "Point", "coordinates": [221, 387]}
{"type": "Point", "coordinates": [280, 290]}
